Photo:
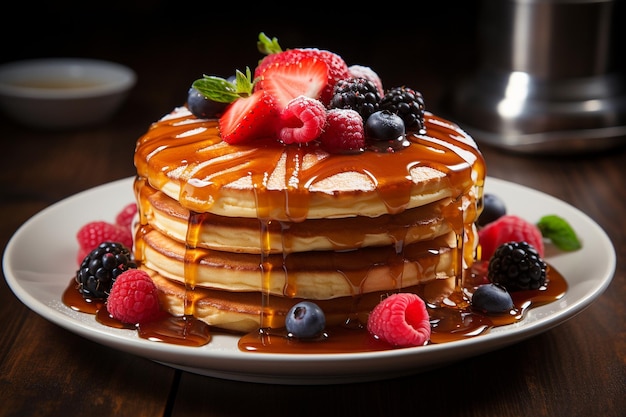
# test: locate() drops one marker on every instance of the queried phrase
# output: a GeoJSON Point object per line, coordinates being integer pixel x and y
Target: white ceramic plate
{"type": "Point", "coordinates": [40, 260]}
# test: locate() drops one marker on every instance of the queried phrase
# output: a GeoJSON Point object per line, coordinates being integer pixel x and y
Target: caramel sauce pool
{"type": "Point", "coordinates": [448, 324]}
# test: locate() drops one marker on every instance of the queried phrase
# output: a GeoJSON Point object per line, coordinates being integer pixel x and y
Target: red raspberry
{"type": "Point", "coordinates": [94, 233]}
{"type": "Point", "coordinates": [343, 131]}
{"type": "Point", "coordinates": [82, 253]}
{"type": "Point", "coordinates": [302, 120]}
{"type": "Point", "coordinates": [134, 298]}
{"type": "Point", "coordinates": [400, 320]}
{"type": "Point", "coordinates": [509, 228]}
{"type": "Point", "coordinates": [125, 217]}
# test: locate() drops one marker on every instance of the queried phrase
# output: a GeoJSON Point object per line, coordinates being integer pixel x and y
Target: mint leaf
{"type": "Point", "coordinates": [223, 91]}
{"type": "Point", "coordinates": [559, 232]}
{"type": "Point", "coordinates": [216, 89]}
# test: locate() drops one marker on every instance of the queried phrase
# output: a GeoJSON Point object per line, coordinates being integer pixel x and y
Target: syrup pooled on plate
{"type": "Point", "coordinates": [449, 324]}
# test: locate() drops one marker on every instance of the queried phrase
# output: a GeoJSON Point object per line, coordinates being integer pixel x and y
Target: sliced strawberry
{"type": "Point", "coordinates": [286, 81]}
{"type": "Point", "coordinates": [302, 120]}
{"type": "Point", "coordinates": [337, 67]}
{"type": "Point", "coordinates": [249, 118]}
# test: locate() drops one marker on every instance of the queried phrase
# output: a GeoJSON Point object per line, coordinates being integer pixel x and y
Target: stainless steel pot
{"type": "Point", "coordinates": [547, 80]}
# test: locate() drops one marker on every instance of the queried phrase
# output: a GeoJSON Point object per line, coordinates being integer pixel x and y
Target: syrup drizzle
{"type": "Point", "coordinates": [191, 150]}
{"type": "Point", "coordinates": [447, 324]}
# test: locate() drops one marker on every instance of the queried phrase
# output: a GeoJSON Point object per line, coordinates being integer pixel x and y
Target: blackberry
{"type": "Point", "coordinates": [406, 103]}
{"type": "Point", "coordinates": [101, 267]}
{"type": "Point", "coordinates": [357, 94]}
{"type": "Point", "coordinates": [517, 266]}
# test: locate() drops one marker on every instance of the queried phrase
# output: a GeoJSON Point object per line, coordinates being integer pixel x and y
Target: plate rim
{"type": "Point", "coordinates": [235, 365]}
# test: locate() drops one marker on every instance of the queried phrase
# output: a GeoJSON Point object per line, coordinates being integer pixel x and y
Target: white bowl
{"type": "Point", "coordinates": [61, 93]}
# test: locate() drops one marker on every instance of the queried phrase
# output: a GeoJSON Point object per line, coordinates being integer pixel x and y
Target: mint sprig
{"type": "Point", "coordinates": [224, 91]}
{"type": "Point", "coordinates": [559, 231]}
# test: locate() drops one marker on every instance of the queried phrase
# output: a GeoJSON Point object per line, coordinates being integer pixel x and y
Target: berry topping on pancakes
{"type": "Point", "coordinates": [256, 107]}
{"type": "Point", "coordinates": [337, 68]}
{"type": "Point", "coordinates": [286, 81]}
{"type": "Point", "coordinates": [343, 131]}
{"type": "Point", "coordinates": [249, 118]}
{"type": "Point", "coordinates": [302, 120]}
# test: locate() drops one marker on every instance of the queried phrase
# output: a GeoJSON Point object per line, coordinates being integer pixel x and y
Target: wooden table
{"type": "Point", "coordinates": [575, 369]}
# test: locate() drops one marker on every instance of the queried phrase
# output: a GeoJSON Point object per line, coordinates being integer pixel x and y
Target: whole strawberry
{"type": "Point", "coordinates": [134, 298]}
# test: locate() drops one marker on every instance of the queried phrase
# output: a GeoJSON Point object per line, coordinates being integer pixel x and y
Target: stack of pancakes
{"type": "Point", "coordinates": [236, 234]}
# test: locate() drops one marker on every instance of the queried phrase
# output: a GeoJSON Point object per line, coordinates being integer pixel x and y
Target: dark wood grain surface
{"type": "Point", "coordinates": [575, 369]}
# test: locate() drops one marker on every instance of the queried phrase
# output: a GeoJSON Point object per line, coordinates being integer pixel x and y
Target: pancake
{"type": "Point", "coordinates": [185, 158]}
{"type": "Point", "coordinates": [310, 275]}
{"type": "Point", "coordinates": [236, 232]}
{"type": "Point", "coordinates": [241, 312]}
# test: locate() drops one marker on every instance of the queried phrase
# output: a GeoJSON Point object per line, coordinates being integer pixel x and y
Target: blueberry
{"type": "Point", "coordinates": [305, 320]}
{"type": "Point", "coordinates": [384, 125]}
{"type": "Point", "coordinates": [492, 298]}
{"type": "Point", "coordinates": [493, 209]}
{"type": "Point", "coordinates": [203, 107]}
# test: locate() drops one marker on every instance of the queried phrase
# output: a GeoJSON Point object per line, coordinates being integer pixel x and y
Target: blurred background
{"type": "Point", "coordinates": [430, 46]}
{"type": "Point", "coordinates": [405, 44]}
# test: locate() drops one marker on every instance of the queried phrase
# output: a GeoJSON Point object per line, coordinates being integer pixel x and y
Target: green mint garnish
{"type": "Point", "coordinates": [559, 232]}
{"type": "Point", "coordinates": [223, 91]}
